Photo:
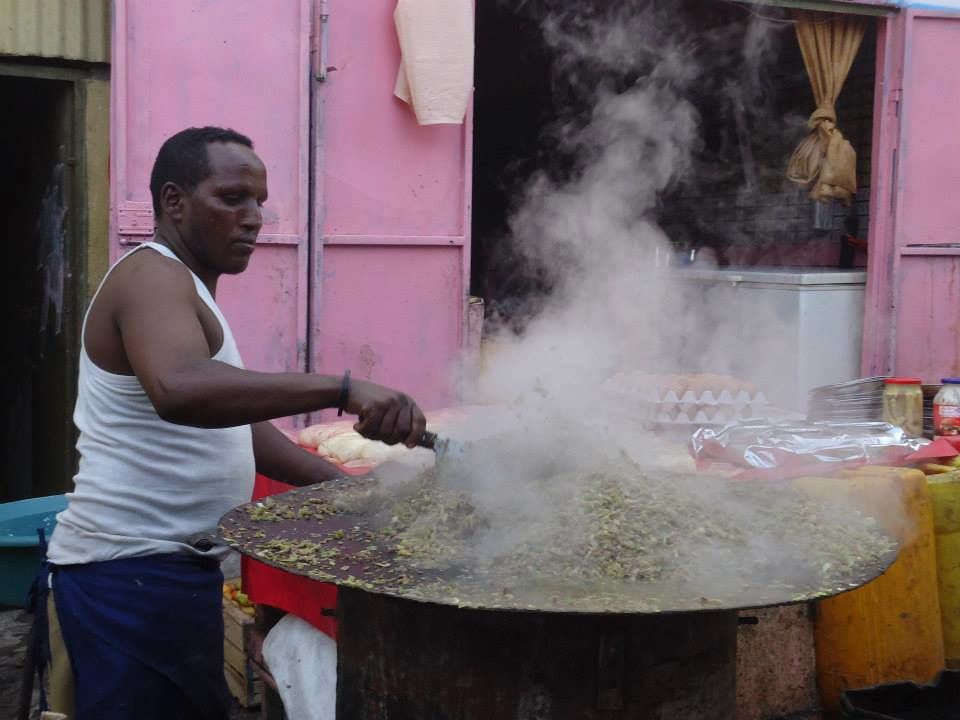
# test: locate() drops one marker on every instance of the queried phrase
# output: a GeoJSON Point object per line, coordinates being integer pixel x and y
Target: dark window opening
{"type": "Point", "coordinates": [735, 207]}
{"type": "Point", "coordinates": [37, 367]}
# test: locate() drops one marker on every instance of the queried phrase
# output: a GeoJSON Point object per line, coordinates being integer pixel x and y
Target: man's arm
{"type": "Point", "coordinates": [280, 459]}
{"type": "Point", "coordinates": [168, 351]}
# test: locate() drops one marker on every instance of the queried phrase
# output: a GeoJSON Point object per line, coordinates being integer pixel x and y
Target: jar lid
{"type": "Point", "coordinates": [902, 381]}
{"type": "Point", "coordinates": [951, 381]}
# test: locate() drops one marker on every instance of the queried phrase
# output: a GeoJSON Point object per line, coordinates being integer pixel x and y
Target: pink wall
{"type": "Point", "coordinates": [378, 282]}
{"type": "Point", "coordinates": [185, 63]}
{"type": "Point", "coordinates": [912, 324]}
{"type": "Point", "coordinates": [394, 201]}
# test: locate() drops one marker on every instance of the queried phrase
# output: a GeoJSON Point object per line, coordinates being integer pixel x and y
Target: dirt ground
{"type": "Point", "coordinates": [13, 646]}
{"type": "Point", "coordinates": [14, 625]}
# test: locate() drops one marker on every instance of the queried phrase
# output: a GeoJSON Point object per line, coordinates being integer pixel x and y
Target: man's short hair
{"type": "Point", "coordinates": [183, 159]}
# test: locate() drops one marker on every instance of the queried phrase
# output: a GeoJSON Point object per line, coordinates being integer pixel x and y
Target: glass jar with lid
{"type": "Point", "coordinates": [946, 408]}
{"type": "Point", "coordinates": [903, 404]}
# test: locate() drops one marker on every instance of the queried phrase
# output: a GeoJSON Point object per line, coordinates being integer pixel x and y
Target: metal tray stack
{"type": "Point", "coordinates": [861, 401]}
{"type": "Point", "coordinates": [853, 401]}
{"type": "Point", "coordinates": [929, 392]}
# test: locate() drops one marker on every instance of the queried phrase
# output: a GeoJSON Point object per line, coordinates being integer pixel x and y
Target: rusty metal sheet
{"type": "Point", "coordinates": [399, 660]}
{"type": "Point", "coordinates": [304, 532]}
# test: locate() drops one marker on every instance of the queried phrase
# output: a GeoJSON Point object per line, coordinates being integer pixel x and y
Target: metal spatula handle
{"type": "Point", "coordinates": [429, 440]}
{"type": "Point", "coordinates": [442, 446]}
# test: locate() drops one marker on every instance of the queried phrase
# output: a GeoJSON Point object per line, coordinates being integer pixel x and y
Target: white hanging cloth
{"type": "Point", "coordinates": [436, 67]}
{"type": "Point", "coordinates": [303, 661]}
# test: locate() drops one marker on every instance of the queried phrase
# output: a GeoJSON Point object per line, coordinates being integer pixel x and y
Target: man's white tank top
{"type": "Point", "coordinates": [145, 486]}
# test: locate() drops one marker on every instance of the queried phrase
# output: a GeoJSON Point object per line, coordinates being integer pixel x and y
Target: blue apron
{"type": "Point", "coordinates": [145, 637]}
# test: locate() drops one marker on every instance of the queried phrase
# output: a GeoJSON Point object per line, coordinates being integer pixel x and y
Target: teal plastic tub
{"type": "Point", "coordinates": [20, 545]}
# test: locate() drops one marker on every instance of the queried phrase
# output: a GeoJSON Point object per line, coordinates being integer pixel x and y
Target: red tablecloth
{"type": "Point", "coordinates": [266, 585]}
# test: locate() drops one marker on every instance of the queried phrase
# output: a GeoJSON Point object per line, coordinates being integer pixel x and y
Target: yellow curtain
{"type": "Point", "coordinates": [825, 162]}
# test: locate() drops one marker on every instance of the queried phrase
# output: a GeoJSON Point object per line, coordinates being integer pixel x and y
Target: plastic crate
{"type": "Point", "coordinates": [906, 701]}
{"type": "Point", "coordinates": [20, 545]}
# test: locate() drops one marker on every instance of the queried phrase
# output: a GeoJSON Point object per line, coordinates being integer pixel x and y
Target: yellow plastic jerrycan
{"type": "Point", "coordinates": [889, 629]}
{"type": "Point", "coordinates": [945, 494]}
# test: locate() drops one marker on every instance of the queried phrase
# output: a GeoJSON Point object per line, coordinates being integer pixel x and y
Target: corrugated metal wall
{"type": "Point", "coordinates": [70, 29]}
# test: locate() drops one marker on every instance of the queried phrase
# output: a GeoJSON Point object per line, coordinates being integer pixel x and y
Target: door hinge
{"type": "Point", "coordinates": [135, 222]}
{"type": "Point", "coordinates": [321, 39]}
{"type": "Point", "coordinates": [894, 179]}
{"type": "Point", "coordinates": [896, 100]}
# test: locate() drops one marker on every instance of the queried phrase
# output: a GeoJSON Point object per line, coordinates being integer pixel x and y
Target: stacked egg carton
{"type": "Point", "coordinates": [690, 400]}
{"type": "Point", "coordinates": [709, 407]}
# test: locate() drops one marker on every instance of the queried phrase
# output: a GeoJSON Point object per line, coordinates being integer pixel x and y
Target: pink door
{"type": "Point", "coordinates": [377, 283]}
{"type": "Point", "coordinates": [393, 227]}
{"type": "Point", "coordinates": [238, 64]}
{"type": "Point", "coordinates": [913, 310]}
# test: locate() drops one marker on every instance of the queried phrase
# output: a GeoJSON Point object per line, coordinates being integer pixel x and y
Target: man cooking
{"type": "Point", "coordinates": [172, 428]}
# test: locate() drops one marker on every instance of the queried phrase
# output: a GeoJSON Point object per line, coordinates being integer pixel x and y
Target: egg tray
{"type": "Point", "coordinates": [709, 407]}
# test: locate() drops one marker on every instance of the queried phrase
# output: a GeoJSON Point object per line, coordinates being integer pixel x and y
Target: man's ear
{"type": "Point", "coordinates": [172, 198]}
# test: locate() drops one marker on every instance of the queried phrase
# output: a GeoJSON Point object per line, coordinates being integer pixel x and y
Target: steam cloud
{"type": "Point", "coordinates": [591, 235]}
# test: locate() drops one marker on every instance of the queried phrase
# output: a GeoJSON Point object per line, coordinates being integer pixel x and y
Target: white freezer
{"type": "Point", "coordinates": [786, 329]}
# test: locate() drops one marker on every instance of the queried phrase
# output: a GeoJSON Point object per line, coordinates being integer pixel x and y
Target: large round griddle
{"type": "Point", "coordinates": [303, 533]}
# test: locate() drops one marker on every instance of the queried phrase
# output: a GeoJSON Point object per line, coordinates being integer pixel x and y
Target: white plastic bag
{"type": "Point", "coordinates": [303, 661]}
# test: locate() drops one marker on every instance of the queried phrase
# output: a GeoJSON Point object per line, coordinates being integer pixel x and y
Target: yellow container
{"type": "Point", "coordinates": [945, 494]}
{"type": "Point", "coordinates": [889, 629]}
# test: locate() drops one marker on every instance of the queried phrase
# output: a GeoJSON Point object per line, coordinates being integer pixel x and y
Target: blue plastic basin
{"type": "Point", "coordinates": [20, 545]}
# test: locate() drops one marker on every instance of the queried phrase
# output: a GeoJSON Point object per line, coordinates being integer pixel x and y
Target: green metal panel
{"type": "Point", "coordinates": [68, 29]}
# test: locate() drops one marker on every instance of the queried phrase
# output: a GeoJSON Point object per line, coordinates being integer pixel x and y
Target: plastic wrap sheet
{"type": "Point", "coordinates": [790, 446]}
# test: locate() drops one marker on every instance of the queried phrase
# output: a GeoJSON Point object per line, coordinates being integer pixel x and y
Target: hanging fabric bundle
{"type": "Point", "coordinates": [436, 66]}
{"type": "Point", "coordinates": [825, 162]}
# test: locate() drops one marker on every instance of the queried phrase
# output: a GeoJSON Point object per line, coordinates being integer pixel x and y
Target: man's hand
{"type": "Point", "coordinates": [386, 415]}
